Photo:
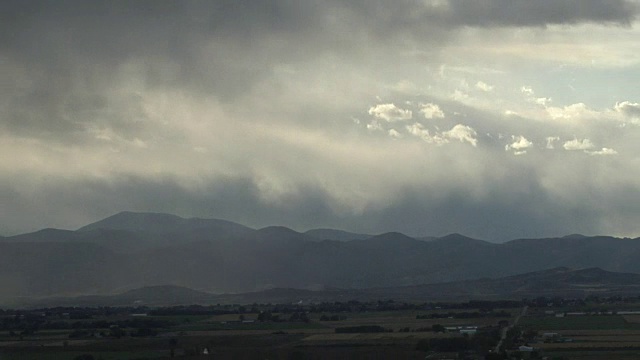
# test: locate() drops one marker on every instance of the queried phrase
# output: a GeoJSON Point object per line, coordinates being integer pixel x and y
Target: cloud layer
{"type": "Point", "coordinates": [497, 119]}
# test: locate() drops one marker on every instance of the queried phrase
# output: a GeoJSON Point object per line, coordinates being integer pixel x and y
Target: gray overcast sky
{"type": "Point", "coordinates": [497, 119]}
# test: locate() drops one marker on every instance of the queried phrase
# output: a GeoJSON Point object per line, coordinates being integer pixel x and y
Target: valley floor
{"type": "Point", "coordinates": [552, 329]}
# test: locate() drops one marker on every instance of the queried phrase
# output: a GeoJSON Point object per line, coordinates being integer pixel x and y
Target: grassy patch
{"type": "Point", "coordinates": [253, 326]}
{"type": "Point", "coordinates": [601, 322]}
{"type": "Point", "coordinates": [70, 355]}
{"type": "Point", "coordinates": [180, 319]}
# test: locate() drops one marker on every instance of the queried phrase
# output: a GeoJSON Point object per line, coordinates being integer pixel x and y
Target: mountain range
{"type": "Point", "coordinates": [137, 250]}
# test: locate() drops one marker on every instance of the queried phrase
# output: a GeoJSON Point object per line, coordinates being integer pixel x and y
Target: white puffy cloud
{"type": "Point", "coordinates": [459, 95]}
{"type": "Point", "coordinates": [621, 112]}
{"type": "Point", "coordinates": [395, 134]}
{"type": "Point", "coordinates": [571, 112]}
{"type": "Point", "coordinates": [520, 145]}
{"type": "Point", "coordinates": [587, 146]}
{"type": "Point", "coordinates": [542, 101]}
{"type": "Point", "coordinates": [480, 85]}
{"type": "Point", "coordinates": [374, 125]}
{"type": "Point", "coordinates": [604, 151]}
{"type": "Point", "coordinates": [462, 133]}
{"type": "Point", "coordinates": [419, 130]}
{"type": "Point", "coordinates": [628, 108]}
{"type": "Point", "coordinates": [431, 111]}
{"type": "Point", "coordinates": [390, 112]}
{"type": "Point", "coordinates": [551, 141]}
{"type": "Point", "coordinates": [459, 132]}
{"type": "Point", "coordinates": [575, 144]}
{"type": "Point", "coordinates": [529, 95]}
{"type": "Point", "coordinates": [527, 90]}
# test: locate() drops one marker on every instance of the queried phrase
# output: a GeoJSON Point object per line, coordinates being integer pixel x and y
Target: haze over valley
{"type": "Point", "coordinates": [131, 250]}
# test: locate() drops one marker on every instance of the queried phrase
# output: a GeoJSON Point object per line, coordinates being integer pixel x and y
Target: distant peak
{"type": "Point", "coordinates": [269, 229]}
{"type": "Point", "coordinates": [393, 236]}
{"type": "Point", "coordinates": [158, 287]}
{"type": "Point", "coordinates": [335, 234]}
{"type": "Point", "coordinates": [574, 236]}
{"type": "Point", "coordinates": [280, 232]}
{"type": "Point", "coordinates": [456, 236]}
{"type": "Point", "coordinates": [144, 214]}
{"type": "Point", "coordinates": [165, 293]}
{"type": "Point", "coordinates": [592, 270]}
{"type": "Point", "coordinates": [393, 233]}
{"type": "Point", "coordinates": [129, 220]}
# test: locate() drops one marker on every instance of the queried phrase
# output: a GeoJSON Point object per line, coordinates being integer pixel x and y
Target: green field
{"type": "Point", "coordinates": [275, 326]}
{"type": "Point", "coordinates": [587, 322]}
{"type": "Point", "coordinates": [70, 355]}
{"type": "Point", "coordinates": [586, 337]}
{"type": "Point", "coordinates": [180, 319]}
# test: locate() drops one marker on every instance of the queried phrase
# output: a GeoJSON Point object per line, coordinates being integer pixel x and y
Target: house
{"type": "Point", "coordinates": [462, 329]}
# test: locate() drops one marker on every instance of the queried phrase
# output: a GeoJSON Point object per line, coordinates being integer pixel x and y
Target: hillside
{"type": "Point", "coordinates": [135, 250]}
{"type": "Point", "coordinates": [562, 282]}
{"type": "Point", "coordinates": [337, 235]}
{"type": "Point", "coordinates": [158, 223]}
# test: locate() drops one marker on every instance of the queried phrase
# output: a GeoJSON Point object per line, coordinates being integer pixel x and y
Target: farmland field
{"type": "Point", "coordinates": [587, 322]}
{"type": "Point", "coordinates": [73, 333]}
{"type": "Point", "coordinates": [632, 319]}
{"type": "Point", "coordinates": [588, 337]}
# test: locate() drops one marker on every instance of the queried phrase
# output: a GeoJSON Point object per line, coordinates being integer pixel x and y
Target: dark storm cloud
{"type": "Point", "coordinates": [542, 12]}
{"type": "Point", "coordinates": [503, 216]}
{"type": "Point", "coordinates": [79, 73]}
{"type": "Point", "coordinates": [46, 31]}
{"type": "Point", "coordinates": [72, 204]}
{"type": "Point", "coordinates": [510, 210]}
{"type": "Point", "coordinates": [68, 51]}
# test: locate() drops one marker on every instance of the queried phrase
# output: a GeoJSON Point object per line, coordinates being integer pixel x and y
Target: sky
{"type": "Point", "coordinates": [497, 119]}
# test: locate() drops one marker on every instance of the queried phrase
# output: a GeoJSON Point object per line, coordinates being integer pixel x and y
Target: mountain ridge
{"type": "Point", "coordinates": [335, 234]}
{"type": "Point", "coordinates": [160, 222]}
{"type": "Point", "coordinates": [134, 250]}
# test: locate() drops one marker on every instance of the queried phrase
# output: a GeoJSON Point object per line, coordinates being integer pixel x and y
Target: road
{"type": "Point", "coordinates": [503, 334]}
